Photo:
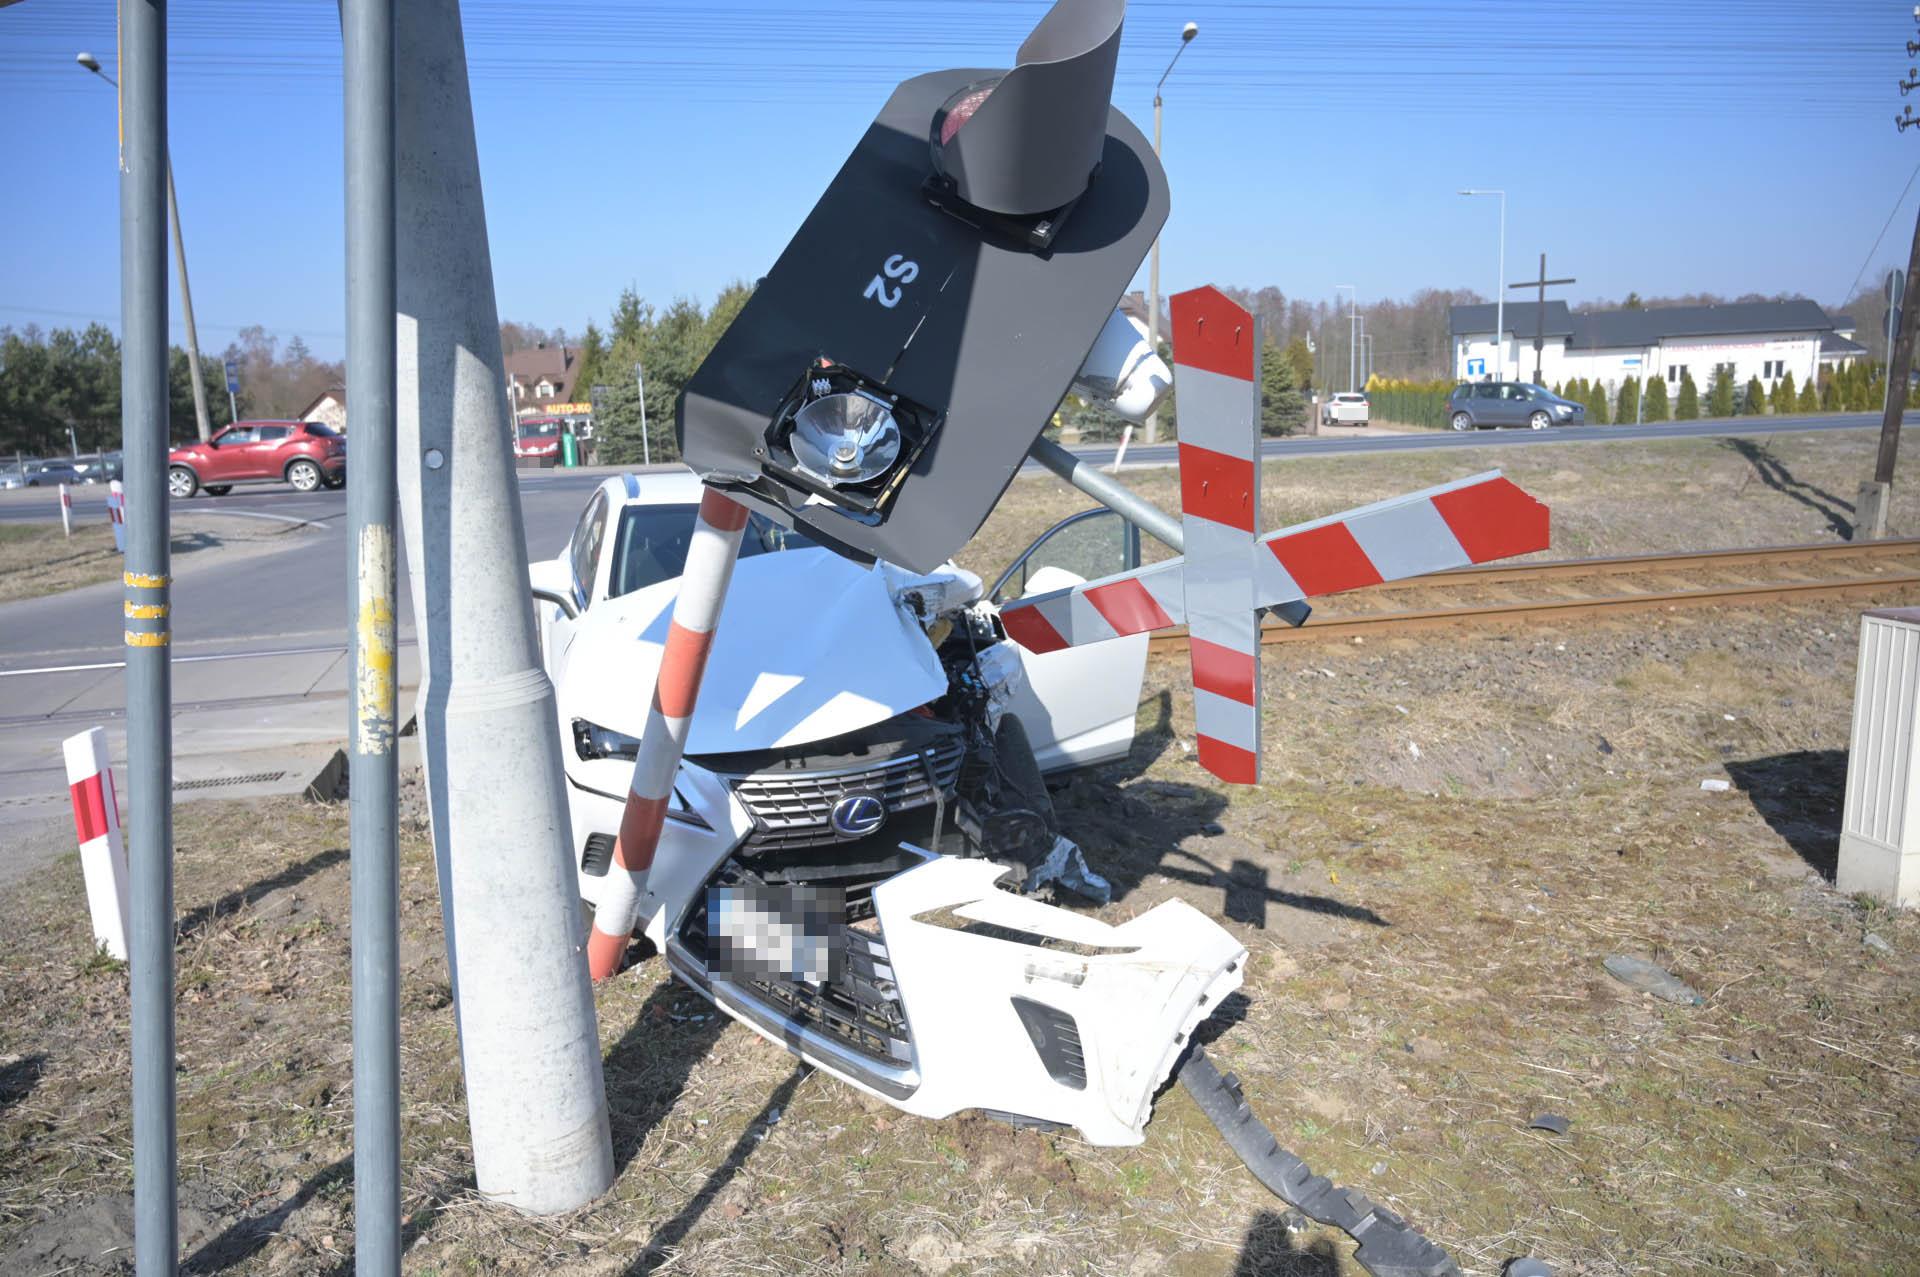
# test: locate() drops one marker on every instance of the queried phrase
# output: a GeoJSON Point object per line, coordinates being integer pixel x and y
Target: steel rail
{"type": "Point", "coordinates": [1701, 562]}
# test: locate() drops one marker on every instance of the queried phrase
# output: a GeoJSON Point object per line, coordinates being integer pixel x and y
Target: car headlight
{"type": "Point", "coordinates": [593, 742]}
{"type": "Point", "coordinates": [1566, 410]}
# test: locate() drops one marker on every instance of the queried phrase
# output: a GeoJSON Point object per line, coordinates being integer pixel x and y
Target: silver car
{"type": "Point", "coordinates": [1482, 405]}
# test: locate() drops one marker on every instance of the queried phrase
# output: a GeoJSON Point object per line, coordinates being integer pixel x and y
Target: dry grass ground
{"type": "Point", "coordinates": [37, 558]}
{"type": "Point", "coordinates": [1616, 498]}
{"type": "Point", "coordinates": [1427, 923]}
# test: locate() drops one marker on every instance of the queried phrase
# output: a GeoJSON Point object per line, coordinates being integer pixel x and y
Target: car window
{"type": "Point", "coordinates": [650, 545]}
{"type": "Point", "coordinates": [1486, 390]}
{"type": "Point", "coordinates": [239, 434]}
{"type": "Point", "coordinates": [588, 537]}
{"type": "Point", "coordinates": [271, 434]}
{"type": "Point", "coordinates": [322, 430]}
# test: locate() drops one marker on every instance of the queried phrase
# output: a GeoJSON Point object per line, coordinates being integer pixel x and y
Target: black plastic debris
{"type": "Point", "coordinates": [1550, 1122]}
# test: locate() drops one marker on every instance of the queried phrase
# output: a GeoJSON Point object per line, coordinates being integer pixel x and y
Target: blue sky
{"type": "Point", "coordinates": [1663, 147]}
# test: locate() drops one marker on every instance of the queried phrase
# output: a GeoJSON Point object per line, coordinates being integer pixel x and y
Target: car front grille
{"type": "Point", "coordinates": [795, 809]}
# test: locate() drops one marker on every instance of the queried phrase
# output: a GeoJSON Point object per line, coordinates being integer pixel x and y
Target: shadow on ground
{"type": "Point", "coordinates": [1132, 829]}
{"type": "Point", "coordinates": [234, 901]}
{"type": "Point", "coordinates": [1774, 473]}
{"type": "Point", "coordinates": [1799, 795]}
{"type": "Point", "coordinates": [649, 1067]}
{"type": "Point", "coordinates": [660, 1247]}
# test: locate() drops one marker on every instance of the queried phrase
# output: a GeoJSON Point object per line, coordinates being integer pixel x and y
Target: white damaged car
{"type": "Point", "coordinates": [871, 733]}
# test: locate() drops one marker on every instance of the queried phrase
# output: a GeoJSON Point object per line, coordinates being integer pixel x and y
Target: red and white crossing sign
{"type": "Point", "coordinates": [96, 827]}
{"type": "Point", "coordinates": [1231, 573]}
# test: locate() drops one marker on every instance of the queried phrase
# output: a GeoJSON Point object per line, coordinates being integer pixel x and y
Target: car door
{"type": "Point", "coordinates": [263, 455]}
{"type": "Point", "coordinates": [228, 454]}
{"type": "Point", "coordinates": [574, 576]}
{"type": "Point", "coordinates": [1078, 704]}
{"type": "Point", "coordinates": [1486, 404]}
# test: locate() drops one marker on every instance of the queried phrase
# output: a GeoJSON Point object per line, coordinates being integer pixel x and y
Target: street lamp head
{"type": "Point", "coordinates": [1189, 31]}
{"type": "Point", "coordinates": [88, 61]}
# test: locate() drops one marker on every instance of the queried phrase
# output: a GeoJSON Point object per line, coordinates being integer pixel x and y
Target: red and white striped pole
{"type": "Point", "coordinates": [96, 825]}
{"type": "Point", "coordinates": [117, 514]}
{"type": "Point", "coordinates": [1216, 360]}
{"type": "Point", "coordinates": [66, 510]}
{"type": "Point", "coordinates": [696, 613]}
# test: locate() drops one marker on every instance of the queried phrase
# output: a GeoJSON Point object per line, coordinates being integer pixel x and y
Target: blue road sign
{"type": "Point", "coordinates": [233, 377]}
{"type": "Point", "coordinates": [1476, 367]}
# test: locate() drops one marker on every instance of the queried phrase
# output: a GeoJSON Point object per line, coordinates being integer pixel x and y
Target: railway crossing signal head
{"type": "Point", "coordinates": [886, 379]}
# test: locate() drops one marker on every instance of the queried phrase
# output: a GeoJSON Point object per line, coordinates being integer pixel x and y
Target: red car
{"type": "Point", "coordinates": [536, 441]}
{"type": "Point", "coordinates": [307, 454]}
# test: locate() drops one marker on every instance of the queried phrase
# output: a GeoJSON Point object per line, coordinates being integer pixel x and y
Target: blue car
{"type": "Point", "coordinates": [1488, 405]}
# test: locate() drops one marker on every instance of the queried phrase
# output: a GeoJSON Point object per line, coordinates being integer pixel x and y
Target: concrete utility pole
{"type": "Point", "coordinates": [143, 426]}
{"type": "Point", "coordinates": [529, 1045]}
{"type": "Point", "coordinates": [372, 721]}
{"type": "Point", "coordinates": [1876, 494]}
{"type": "Point", "coordinates": [92, 64]}
{"type": "Point", "coordinates": [1500, 291]}
{"type": "Point", "coordinates": [1187, 33]}
{"type": "Point", "coordinates": [1540, 314]}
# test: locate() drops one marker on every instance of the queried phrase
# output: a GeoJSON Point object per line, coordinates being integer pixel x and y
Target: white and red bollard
{"type": "Point", "coordinates": [66, 510]}
{"type": "Point", "coordinates": [96, 825]}
{"type": "Point", "coordinates": [696, 613]}
{"type": "Point", "coordinates": [117, 514]}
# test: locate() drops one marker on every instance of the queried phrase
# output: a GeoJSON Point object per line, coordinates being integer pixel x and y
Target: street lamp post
{"type": "Point", "coordinates": [1187, 33]}
{"type": "Point", "coordinates": [92, 64]}
{"type": "Point", "coordinates": [1500, 296]}
{"type": "Point", "coordinates": [1353, 313]}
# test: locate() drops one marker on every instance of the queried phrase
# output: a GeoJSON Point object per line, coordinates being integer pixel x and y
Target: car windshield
{"type": "Point", "coordinates": [651, 544]}
{"type": "Point", "coordinates": [539, 429]}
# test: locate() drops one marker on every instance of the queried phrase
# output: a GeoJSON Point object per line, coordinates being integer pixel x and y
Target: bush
{"type": "Point", "coordinates": [1628, 407]}
{"type": "Point", "coordinates": [1720, 393]}
{"type": "Point", "coordinates": [1410, 403]}
{"type": "Point", "coordinates": [1656, 409]}
{"type": "Point", "coordinates": [1809, 400]}
{"type": "Point", "coordinates": [1782, 398]}
{"type": "Point", "coordinates": [1596, 402]}
{"type": "Point", "coordinates": [1687, 406]}
{"type": "Point", "coordinates": [1753, 402]}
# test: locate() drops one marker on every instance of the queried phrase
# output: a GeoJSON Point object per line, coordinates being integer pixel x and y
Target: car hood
{"type": "Point", "coordinates": [809, 646]}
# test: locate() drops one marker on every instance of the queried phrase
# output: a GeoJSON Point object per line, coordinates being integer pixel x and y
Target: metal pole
{"type": "Point", "coordinates": [510, 899]}
{"type": "Point", "coordinates": [1500, 299]}
{"type": "Point", "coordinates": [186, 308]}
{"type": "Point", "coordinates": [640, 385]}
{"type": "Point", "coordinates": [1153, 293]}
{"type": "Point", "coordinates": [1108, 491]}
{"type": "Point", "coordinates": [233, 408]}
{"type": "Point", "coordinates": [367, 35]}
{"type": "Point", "coordinates": [143, 425]}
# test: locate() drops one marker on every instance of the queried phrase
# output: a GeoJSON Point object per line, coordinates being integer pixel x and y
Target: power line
{"type": "Point", "coordinates": [1847, 296]}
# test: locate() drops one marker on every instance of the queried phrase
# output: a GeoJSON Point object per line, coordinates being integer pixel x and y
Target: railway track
{"type": "Point", "coordinates": [1504, 593]}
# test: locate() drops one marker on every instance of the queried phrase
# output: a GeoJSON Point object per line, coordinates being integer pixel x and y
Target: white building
{"type": "Point", "coordinates": [1767, 340]}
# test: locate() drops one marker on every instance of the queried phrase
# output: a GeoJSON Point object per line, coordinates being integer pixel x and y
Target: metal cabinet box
{"type": "Point", "coordinates": [1880, 823]}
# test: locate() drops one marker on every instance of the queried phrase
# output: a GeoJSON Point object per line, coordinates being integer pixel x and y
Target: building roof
{"type": "Point", "coordinates": [1601, 329]}
{"type": "Point", "coordinates": [558, 365]}
{"type": "Point", "coordinates": [1834, 346]}
{"type": "Point", "coordinates": [331, 392]}
{"type": "Point", "coordinates": [1520, 319]}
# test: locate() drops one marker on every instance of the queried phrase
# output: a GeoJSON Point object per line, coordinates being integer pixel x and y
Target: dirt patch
{"type": "Point", "coordinates": [1426, 977]}
{"type": "Point", "coordinates": [37, 558]}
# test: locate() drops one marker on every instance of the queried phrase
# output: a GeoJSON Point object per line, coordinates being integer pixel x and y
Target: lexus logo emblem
{"type": "Point", "coordinates": [858, 815]}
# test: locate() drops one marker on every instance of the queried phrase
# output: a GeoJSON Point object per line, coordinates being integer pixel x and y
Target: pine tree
{"type": "Point", "coordinates": [1783, 397]}
{"type": "Point", "coordinates": [1596, 402]}
{"type": "Point", "coordinates": [1687, 407]}
{"type": "Point", "coordinates": [1753, 400]}
{"type": "Point", "coordinates": [1281, 407]}
{"type": "Point", "coordinates": [1558, 391]}
{"type": "Point", "coordinates": [1809, 400]}
{"type": "Point", "coordinates": [1656, 409]}
{"type": "Point", "coordinates": [1629, 403]}
{"type": "Point", "coordinates": [1720, 393]}
{"type": "Point", "coordinates": [1830, 393]}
